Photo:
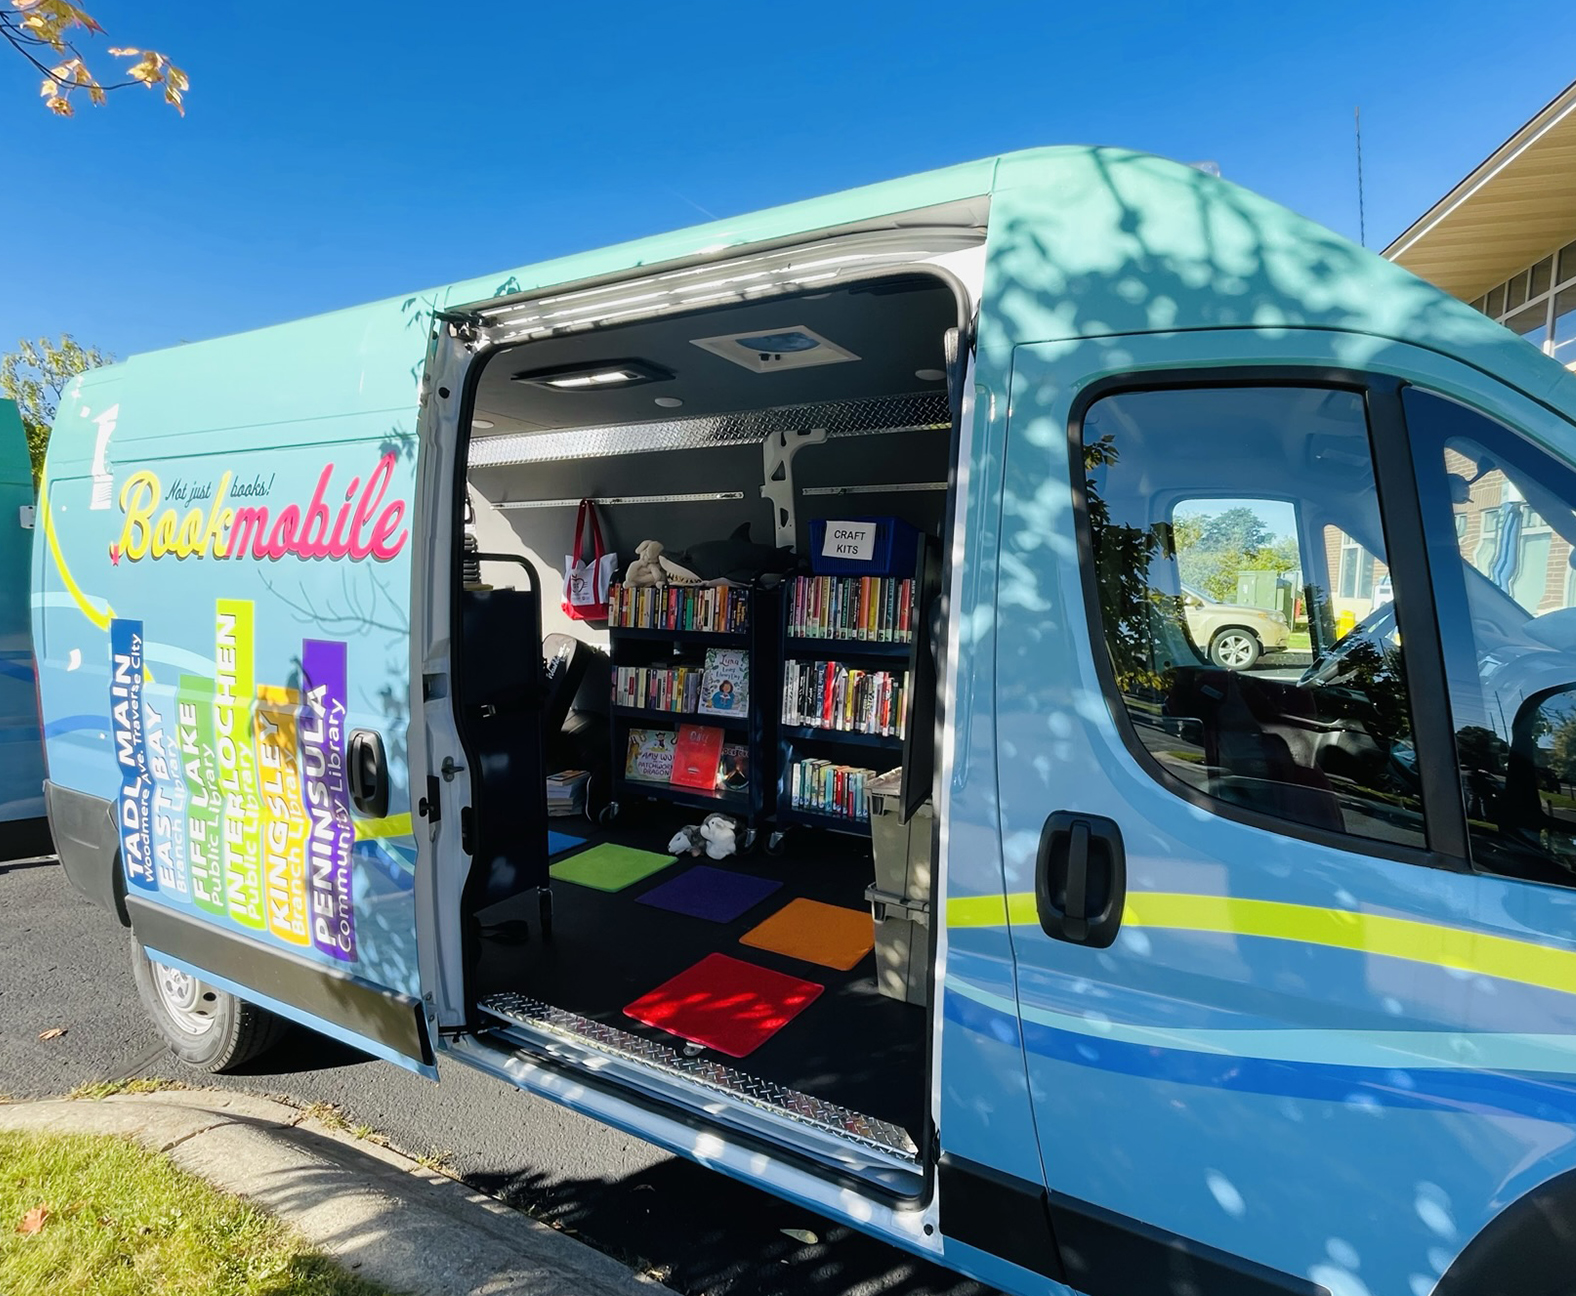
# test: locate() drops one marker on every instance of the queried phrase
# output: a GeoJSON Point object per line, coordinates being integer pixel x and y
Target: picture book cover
{"type": "Point", "coordinates": [650, 756]}
{"type": "Point", "coordinates": [733, 770]}
{"type": "Point", "coordinates": [696, 756]}
{"type": "Point", "coordinates": [725, 683]}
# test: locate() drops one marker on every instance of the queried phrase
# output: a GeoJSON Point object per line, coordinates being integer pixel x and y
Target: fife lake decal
{"type": "Point", "coordinates": [236, 522]}
{"type": "Point", "coordinates": [233, 794]}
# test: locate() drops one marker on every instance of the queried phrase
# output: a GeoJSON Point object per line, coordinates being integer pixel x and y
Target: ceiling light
{"type": "Point", "coordinates": [931, 375]}
{"type": "Point", "coordinates": [669, 402]}
{"type": "Point", "coordinates": [595, 377]}
{"type": "Point", "coordinates": [480, 423]}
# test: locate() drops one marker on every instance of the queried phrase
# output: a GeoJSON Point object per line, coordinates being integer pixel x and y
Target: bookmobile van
{"type": "Point", "coordinates": [1254, 980]}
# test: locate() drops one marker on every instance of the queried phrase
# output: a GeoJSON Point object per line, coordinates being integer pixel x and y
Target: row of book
{"type": "Point", "coordinates": [832, 789]}
{"type": "Point", "coordinates": [831, 695]}
{"type": "Point", "coordinates": [721, 687]}
{"type": "Point", "coordinates": [711, 609]}
{"type": "Point", "coordinates": [657, 688]}
{"type": "Point", "coordinates": [872, 609]}
{"type": "Point", "coordinates": [692, 756]}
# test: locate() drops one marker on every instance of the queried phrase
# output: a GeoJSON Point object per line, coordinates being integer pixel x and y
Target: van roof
{"type": "Point", "coordinates": [1085, 242]}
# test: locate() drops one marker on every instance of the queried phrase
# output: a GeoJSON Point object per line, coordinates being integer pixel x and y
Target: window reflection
{"type": "Point", "coordinates": [1247, 605]}
{"type": "Point", "coordinates": [1501, 528]}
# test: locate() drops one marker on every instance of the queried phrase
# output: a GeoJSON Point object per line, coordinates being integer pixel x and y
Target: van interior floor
{"type": "Point", "coordinates": [850, 1045]}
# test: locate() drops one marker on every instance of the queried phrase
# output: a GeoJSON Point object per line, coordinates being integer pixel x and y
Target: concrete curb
{"type": "Point", "coordinates": [378, 1213]}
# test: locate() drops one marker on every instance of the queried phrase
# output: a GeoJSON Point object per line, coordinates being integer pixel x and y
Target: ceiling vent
{"type": "Point", "coordinates": [769, 350]}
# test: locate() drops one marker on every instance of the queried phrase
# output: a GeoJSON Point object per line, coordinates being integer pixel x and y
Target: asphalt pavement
{"type": "Point", "coordinates": [64, 965]}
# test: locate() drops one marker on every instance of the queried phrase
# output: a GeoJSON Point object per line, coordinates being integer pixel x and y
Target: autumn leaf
{"type": "Point", "coordinates": [54, 1032]}
{"type": "Point", "coordinates": [33, 1221]}
{"type": "Point", "coordinates": [27, 25]}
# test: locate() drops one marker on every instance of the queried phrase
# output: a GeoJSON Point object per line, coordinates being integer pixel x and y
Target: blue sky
{"type": "Point", "coordinates": [336, 153]}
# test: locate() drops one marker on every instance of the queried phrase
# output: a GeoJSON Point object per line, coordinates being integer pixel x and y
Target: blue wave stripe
{"type": "Point", "coordinates": [68, 724]}
{"type": "Point", "coordinates": [1419, 1089]}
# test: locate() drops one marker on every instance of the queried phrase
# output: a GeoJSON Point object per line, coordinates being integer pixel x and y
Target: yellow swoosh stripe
{"type": "Point", "coordinates": [100, 619]}
{"type": "Point", "coordinates": [1502, 957]}
{"type": "Point", "coordinates": [393, 826]}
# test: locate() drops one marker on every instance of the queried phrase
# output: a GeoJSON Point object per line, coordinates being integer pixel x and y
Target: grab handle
{"type": "Point", "coordinates": [1080, 879]}
{"type": "Point", "coordinates": [368, 774]}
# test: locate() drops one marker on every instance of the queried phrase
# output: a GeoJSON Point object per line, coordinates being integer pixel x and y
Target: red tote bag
{"type": "Point", "coordinates": [586, 580]}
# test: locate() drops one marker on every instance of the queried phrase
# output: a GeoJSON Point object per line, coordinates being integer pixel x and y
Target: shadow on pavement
{"type": "Point", "coordinates": [748, 1222]}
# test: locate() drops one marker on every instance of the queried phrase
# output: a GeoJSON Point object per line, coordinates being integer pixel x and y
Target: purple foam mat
{"type": "Point", "coordinates": [714, 894]}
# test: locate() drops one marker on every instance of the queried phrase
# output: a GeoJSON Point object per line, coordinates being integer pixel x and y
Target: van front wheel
{"type": "Point", "coordinates": [204, 1026]}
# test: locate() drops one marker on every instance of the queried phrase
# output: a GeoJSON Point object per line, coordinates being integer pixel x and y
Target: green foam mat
{"type": "Point", "coordinates": [608, 867]}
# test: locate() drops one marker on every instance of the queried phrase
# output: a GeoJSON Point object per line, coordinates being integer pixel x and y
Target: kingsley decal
{"type": "Point", "coordinates": [360, 526]}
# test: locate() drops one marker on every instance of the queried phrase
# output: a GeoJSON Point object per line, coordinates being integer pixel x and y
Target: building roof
{"type": "Point", "coordinates": [1511, 210]}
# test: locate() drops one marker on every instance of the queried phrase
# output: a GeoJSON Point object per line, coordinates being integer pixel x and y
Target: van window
{"type": "Point", "coordinates": [1248, 516]}
{"type": "Point", "coordinates": [1500, 515]}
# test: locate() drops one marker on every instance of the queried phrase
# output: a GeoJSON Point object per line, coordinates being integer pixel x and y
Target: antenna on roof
{"type": "Point", "coordinates": [1362, 228]}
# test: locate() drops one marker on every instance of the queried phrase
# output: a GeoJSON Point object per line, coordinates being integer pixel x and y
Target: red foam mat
{"type": "Point", "coordinates": [725, 1004]}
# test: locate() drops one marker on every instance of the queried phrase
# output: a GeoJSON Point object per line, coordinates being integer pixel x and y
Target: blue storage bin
{"type": "Point", "coordinates": [891, 553]}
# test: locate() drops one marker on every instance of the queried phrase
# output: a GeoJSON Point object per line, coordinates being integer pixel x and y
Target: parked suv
{"type": "Point", "coordinates": [1234, 635]}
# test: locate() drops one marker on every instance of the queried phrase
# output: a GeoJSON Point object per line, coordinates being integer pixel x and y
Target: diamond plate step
{"type": "Point", "coordinates": [857, 1138]}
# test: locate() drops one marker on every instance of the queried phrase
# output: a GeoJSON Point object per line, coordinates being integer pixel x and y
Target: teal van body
{"type": "Point", "coordinates": [21, 741]}
{"type": "Point", "coordinates": [1316, 1040]}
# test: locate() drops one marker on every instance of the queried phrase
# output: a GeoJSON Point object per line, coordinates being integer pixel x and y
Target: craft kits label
{"type": "Point", "coordinates": [855, 541]}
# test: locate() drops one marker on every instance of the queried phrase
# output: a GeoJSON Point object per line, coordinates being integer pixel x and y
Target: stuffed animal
{"type": "Point", "coordinates": [721, 836]}
{"type": "Point", "coordinates": [647, 568]}
{"type": "Point", "coordinates": [687, 841]}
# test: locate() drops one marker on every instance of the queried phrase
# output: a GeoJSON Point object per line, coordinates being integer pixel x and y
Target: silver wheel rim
{"type": "Point", "coordinates": [1234, 651]}
{"type": "Point", "coordinates": [190, 1003]}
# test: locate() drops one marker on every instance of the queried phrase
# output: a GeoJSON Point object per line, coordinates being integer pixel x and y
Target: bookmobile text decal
{"type": "Point", "coordinates": [233, 793]}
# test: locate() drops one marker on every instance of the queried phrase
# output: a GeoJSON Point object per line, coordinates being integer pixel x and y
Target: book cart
{"type": "Point", "coordinates": [833, 719]}
{"type": "Point", "coordinates": [672, 628]}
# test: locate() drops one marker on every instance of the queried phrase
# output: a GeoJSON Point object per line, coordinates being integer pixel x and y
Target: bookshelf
{"type": "Point", "coordinates": [664, 645]}
{"type": "Point", "coordinates": [854, 667]}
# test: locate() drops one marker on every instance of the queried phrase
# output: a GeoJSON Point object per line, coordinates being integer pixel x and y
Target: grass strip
{"type": "Point", "coordinates": [98, 1214]}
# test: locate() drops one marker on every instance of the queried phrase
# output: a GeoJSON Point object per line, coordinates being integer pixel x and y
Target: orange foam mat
{"type": "Point", "coordinates": [828, 935]}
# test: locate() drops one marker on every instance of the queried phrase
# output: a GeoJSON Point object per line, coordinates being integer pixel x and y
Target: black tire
{"type": "Point", "coordinates": [1235, 648]}
{"type": "Point", "coordinates": [235, 1031]}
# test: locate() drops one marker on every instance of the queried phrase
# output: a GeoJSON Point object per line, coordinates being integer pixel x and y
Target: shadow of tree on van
{"type": "Point", "coordinates": [1193, 254]}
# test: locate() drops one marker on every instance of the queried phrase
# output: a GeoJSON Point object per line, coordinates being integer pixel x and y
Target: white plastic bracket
{"type": "Point", "coordinates": [779, 449]}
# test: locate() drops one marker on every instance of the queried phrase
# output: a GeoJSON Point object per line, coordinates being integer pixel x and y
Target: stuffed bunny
{"type": "Point", "coordinates": [647, 568]}
{"type": "Point", "coordinates": [687, 841]}
{"type": "Point", "coordinates": [721, 836]}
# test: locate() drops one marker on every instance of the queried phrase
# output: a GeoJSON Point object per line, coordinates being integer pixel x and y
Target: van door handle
{"type": "Point", "coordinates": [1080, 879]}
{"type": "Point", "coordinates": [368, 773]}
